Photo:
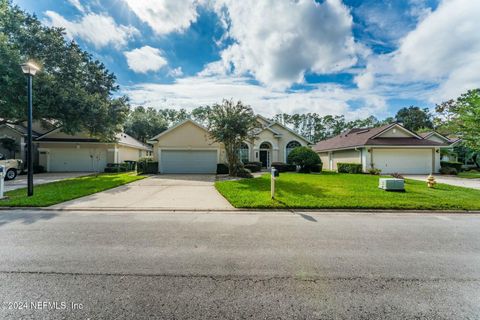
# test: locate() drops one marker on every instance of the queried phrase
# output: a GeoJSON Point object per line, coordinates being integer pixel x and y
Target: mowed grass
{"type": "Point", "coordinates": [472, 174]}
{"type": "Point", "coordinates": [56, 192]}
{"type": "Point", "coordinates": [343, 191]}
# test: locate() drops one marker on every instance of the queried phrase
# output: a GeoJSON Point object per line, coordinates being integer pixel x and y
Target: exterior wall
{"type": "Point", "coordinates": [269, 137]}
{"type": "Point", "coordinates": [325, 157]}
{"type": "Point", "coordinates": [396, 132]}
{"type": "Point", "coordinates": [348, 156]}
{"type": "Point", "coordinates": [129, 153]}
{"type": "Point", "coordinates": [45, 148]}
{"type": "Point", "coordinates": [287, 137]}
{"type": "Point", "coordinates": [436, 139]}
{"type": "Point", "coordinates": [187, 136]}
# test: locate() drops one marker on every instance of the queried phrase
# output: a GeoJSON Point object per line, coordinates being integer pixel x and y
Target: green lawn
{"type": "Point", "coordinates": [333, 190]}
{"type": "Point", "coordinates": [472, 174]}
{"type": "Point", "coordinates": [55, 192]}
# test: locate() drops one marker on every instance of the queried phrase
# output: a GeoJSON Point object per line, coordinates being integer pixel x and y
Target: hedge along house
{"type": "Point", "coordinates": [391, 148]}
{"type": "Point", "coordinates": [62, 152]}
{"type": "Point", "coordinates": [188, 148]}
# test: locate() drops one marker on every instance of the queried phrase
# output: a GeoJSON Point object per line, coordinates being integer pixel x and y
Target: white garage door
{"type": "Point", "coordinates": [72, 159]}
{"type": "Point", "coordinates": [188, 161]}
{"type": "Point", "coordinates": [412, 161]}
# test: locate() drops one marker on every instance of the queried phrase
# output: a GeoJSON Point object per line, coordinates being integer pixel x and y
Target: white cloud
{"type": "Point", "coordinates": [77, 5]}
{"type": "Point", "coordinates": [279, 41]}
{"type": "Point", "coordinates": [165, 16]}
{"type": "Point", "coordinates": [97, 29]}
{"type": "Point", "coordinates": [176, 72]}
{"type": "Point", "coordinates": [145, 59]}
{"type": "Point", "coordinates": [191, 92]}
{"type": "Point", "coordinates": [442, 51]}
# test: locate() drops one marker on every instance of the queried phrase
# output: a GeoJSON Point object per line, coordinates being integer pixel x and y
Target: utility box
{"type": "Point", "coordinates": [391, 184]}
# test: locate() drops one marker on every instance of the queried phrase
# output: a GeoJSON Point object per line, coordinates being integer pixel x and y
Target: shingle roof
{"type": "Point", "coordinates": [360, 137]}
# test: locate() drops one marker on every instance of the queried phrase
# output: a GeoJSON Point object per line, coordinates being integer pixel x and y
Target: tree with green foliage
{"type": "Point", "coordinates": [414, 118]}
{"type": "Point", "coordinates": [462, 116]}
{"type": "Point", "coordinates": [232, 123]}
{"type": "Point", "coordinates": [303, 157]}
{"type": "Point", "coordinates": [72, 88]}
{"type": "Point", "coordinates": [11, 145]}
{"type": "Point", "coordinates": [144, 123]}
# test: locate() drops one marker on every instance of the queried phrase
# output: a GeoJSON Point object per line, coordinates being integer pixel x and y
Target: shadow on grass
{"type": "Point", "coordinates": [24, 217]}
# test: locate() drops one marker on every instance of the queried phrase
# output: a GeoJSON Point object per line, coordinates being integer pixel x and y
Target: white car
{"type": "Point", "coordinates": [12, 167]}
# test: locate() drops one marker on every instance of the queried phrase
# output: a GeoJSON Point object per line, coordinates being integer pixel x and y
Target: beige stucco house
{"type": "Point", "coordinates": [391, 148]}
{"type": "Point", "coordinates": [187, 147]}
{"type": "Point", "coordinates": [61, 152]}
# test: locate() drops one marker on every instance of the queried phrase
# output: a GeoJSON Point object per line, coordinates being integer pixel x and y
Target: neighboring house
{"type": "Point", "coordinates": [446, 153]}
{"type": "Point", "coordinates": [390, 148]}
{"type": "Point", "coordinates": [61, 152]}
{"type": "Point", "coordinates": [187, 147]}
{"type": "Point", "coordinates": [18, 133]}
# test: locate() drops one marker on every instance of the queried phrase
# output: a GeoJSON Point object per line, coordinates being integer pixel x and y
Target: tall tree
{"type": "Point", "coordinates": [414, 118]}
{"type": "Point", "coordinates": [232, 123]}
{"type": "Point", "coordinates": [72, 88]}
{"type": "Point", "coordinates": [144, 123]}
{"type": "Point", "coordinates": [462, 117]}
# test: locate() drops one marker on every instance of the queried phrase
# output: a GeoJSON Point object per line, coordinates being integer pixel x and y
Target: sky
{"type": "Point", "coordinates": [353, 57]}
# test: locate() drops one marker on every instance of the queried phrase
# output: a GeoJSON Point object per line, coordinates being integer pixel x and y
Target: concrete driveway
{"type": "Point", "coordinates": [41, 178]}
{"type": "Point", "coordinates": [452, 180]}
{"type": "Point", "coordinates": [175, 192]}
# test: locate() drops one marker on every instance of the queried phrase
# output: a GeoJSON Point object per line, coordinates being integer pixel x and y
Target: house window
{"type": "Point", "coordinates": [243, 153]}
{"type": "Point", "coordinates": [290, 146]}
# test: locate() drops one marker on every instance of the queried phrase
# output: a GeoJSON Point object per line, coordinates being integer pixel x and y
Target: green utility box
{"type": "Point", "coordinates": [392, 184]}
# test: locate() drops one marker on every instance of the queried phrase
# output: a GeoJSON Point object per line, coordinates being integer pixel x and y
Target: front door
{"type": "Point", "coordinates": [264, 158]}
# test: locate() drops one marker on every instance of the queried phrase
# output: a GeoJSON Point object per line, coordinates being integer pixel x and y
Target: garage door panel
{"type": "Point", "coordinates": [411, 161]}
{"type": "Point", "coordinates": [77, 160]}
{"type": "Point", "coordinates": [188, 161]}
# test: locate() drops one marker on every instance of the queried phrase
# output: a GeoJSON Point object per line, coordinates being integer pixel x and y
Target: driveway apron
{"type": "Point", "coordinates": [183, 192]}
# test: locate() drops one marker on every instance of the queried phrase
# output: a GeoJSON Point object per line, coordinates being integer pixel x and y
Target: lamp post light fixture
{"type": "Point", "coordinates": [29, 69]}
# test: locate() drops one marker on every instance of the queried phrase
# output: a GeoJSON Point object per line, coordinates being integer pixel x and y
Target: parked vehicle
{"type": "Point", "coordinates": [12, 167]}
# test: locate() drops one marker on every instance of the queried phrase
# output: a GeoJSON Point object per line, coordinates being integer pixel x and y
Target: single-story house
{"type": "Point", "coordinates": [18, 133]}
{"type": "Point", "coordinates": [188, 148]}
{"type": "Point", "coordinates": [447, 153]}
{"type": "Point", "coordinates": [391, 148]}
{"type": "Point", "coordinates": [62, 152]}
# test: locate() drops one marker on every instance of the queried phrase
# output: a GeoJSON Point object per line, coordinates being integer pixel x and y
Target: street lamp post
{"type": "Point", "coordinates": [29, 69]}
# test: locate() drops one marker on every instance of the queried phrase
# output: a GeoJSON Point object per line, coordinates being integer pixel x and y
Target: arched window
{"type": "Point", "coordinates": [290, 146]}
{"type": "Point", "coordinates": [243, 153]}
{"type": "Point", "coordinates": [265, 145]}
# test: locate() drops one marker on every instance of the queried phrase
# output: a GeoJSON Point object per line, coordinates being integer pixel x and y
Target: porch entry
{"type": "Point", "coordinates": [265, 154]}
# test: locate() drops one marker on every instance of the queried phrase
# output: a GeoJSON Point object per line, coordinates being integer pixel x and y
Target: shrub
{"type": "Point", "coordinates": [451, 164]}
{"type": "Point", "coordinates": [349, 167]}
{"type": "Point", "coordinates": [283, 167]}
{"type": "Point", "coordinates": [374, 171]}
{"type": "Point", "coordinates": [116, 167]}
{"type": "Point", "coordinates": [303, 157]}
{"type": "Point", "coordinates": [448, 170]}
{"type": "Point", "coordinates": [316, 168]}
{"type": "Point", "coordinates": [244, 173]}
{"type": "Point", "coordinates": [222, 168]}
{"type": "Point", "coordinates": [397, 175]}
{"type": "Point", "coordinates": [253, 166]}
{"type": "Point", "coordinates": [147, 165]}
{"type": "Point", "coordinates": [38, 169]}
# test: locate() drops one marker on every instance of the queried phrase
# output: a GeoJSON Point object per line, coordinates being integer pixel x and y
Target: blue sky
{"type": "Point", "coordinates": [351, 57]}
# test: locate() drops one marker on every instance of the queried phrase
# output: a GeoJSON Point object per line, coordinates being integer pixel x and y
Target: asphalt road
{"type": "Point", "coordinates": [114, 265]}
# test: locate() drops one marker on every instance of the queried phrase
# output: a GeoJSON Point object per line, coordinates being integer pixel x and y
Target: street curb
{"type": "Point", "coordinates": [239, 210]}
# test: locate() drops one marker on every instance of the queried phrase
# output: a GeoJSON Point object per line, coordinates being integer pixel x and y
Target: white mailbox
{"type": "Point", "coordinates": [2, 181]}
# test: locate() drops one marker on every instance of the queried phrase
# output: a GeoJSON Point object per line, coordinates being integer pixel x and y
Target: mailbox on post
{"type": "Point", "coordinates": [2, 181]}
{"type": "Point", "coordinates": [273, 175]}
